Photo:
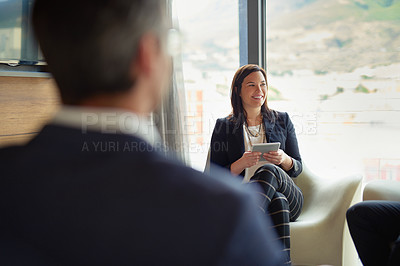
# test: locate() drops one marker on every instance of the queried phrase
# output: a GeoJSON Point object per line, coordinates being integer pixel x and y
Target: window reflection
{"type": "Point", "coordinates": [10, 30]}
{"type": "Point", "coordinates": [210, 57]}
{"type": "Point", "coordinates": [335, 66]}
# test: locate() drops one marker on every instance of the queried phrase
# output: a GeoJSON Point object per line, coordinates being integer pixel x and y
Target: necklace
{"type": "Point", "coordinates": [260, 132]}
{"type": "Point", "coordinates": [256, 134]}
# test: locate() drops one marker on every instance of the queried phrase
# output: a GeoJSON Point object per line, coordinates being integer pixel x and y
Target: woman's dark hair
{"type": "Point", "coordinates": [239, 115]}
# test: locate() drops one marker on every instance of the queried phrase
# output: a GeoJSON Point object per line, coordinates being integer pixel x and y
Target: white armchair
{"type": "Point", "coordinates": [320, 235]}
{"type": "Point", "coordinates": [382, 190]}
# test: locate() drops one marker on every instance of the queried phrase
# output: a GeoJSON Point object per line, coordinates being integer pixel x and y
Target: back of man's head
{"type": "Point", "coordinates": [90, 45]}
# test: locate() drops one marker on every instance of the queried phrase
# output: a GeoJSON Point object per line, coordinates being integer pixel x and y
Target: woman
{"type": "Point", "coordinates": [250, 122]}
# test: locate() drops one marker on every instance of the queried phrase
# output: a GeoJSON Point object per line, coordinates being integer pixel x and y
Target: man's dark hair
{"type": "Point", "coordinates": [89, 45]}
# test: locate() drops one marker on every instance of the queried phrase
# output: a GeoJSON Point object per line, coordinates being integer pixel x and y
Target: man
{"type": "Point", "coordinates": [375, 229]}
{"type": "Point", "coordinates": [92, 188]}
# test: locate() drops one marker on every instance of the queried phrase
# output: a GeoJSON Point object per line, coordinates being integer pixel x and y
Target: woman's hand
{"type": "Point", "coordinates": [250, 159]}
{"type": "Point", "coordinates": [247, 160]}
{"type": "Point", "coordinates": [279, 157]}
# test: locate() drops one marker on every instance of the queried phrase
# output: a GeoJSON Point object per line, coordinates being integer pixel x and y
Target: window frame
{"type": "Point", "coordinates": [29, 49]}
{"type": "Point", "coordinates": [253, 32]}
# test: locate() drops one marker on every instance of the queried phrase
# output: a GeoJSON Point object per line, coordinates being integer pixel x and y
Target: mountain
{"type": "Point", "coordinates": [332, 35]}
{"type": "Point", "coordinates": [210, 32]}
{"type": "Point", "coordinates": [10, 13]}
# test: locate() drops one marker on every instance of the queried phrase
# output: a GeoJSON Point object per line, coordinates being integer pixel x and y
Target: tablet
{"type": "Point", "coordinates": [265, 148]}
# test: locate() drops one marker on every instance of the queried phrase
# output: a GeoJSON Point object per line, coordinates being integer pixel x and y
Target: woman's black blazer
{"type": "Point", "coordinates": [227, 141]}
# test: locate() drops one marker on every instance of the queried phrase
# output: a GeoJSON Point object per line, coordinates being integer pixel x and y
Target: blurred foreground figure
{"type": "Point", "coordinates": [375, 229]}
{"type": "Point", "coordinates": [92, 187]}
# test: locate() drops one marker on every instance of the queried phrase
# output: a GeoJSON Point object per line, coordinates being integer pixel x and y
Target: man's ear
{"type": "Point", "coordinates": [147, 56]}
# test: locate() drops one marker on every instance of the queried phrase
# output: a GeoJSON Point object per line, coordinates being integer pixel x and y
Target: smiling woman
{"type": "Point", "coordinates": [252, 122]}
{"type": "Point", "coordinates": [244, 106]}
{"type": "Point", "coordinates": [253, 93]}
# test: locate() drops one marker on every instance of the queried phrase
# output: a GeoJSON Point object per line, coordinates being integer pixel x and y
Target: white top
{"type": "Point", "coordinates": [108, 120]}
{"type": "Point", "coordinates": [249, 172]}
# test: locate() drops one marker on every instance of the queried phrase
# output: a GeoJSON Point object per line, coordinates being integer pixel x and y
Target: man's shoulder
{"type": "Point", "coordinates": [9, 153]}
{"type": "Point", "coordinates": [218, 183]}
{"type": "Point", "coordinates": [214, 211]}
{"type": "Point", "coordinates": [133, 156]}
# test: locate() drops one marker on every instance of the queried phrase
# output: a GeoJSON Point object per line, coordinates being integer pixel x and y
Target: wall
{"type": "Point", "coordinates": [26, 104]}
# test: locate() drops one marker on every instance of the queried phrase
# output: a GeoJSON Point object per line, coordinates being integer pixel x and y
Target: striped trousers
{"type": "Point", "coordinates": [280, 198]}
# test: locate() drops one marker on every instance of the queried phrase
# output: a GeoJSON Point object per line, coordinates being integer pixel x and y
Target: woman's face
{"type": "Point", "coordinates": [254, 90]}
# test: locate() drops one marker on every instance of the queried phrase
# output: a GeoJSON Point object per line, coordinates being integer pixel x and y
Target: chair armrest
{"type": "Point", "coordinates": [319, 236]}
{"type": "Point", "coordinates": [327, 198]}
{"type": "Point", "coordinates": [382, 190]}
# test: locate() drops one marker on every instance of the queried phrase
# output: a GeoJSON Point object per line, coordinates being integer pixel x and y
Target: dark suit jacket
{"type": "Point", "coordinates": [227, 141]}
{"type": "Point", "coordinates": [69, 198]}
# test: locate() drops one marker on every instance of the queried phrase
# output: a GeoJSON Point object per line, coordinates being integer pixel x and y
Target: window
{"type": "Point", "coordinates": [17, 43]}
{"type": "Point", "coordinates": [210, 57]}
{"type": "Point", "coordinates": [335, 67]}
